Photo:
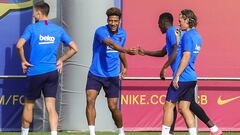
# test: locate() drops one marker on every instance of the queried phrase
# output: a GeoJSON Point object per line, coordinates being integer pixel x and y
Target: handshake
{"type": "Point", "coordinates": [135, 51]}
{"type": "Point", "coordinates": [157, 53]}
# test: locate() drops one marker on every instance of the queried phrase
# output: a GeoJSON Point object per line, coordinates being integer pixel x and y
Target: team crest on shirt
{"type": "Point", "coordinates": [120, 39]}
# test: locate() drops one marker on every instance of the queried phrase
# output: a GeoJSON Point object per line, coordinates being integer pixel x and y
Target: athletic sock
{"type": "Point", "coordinates": [121, 131]}
{"type": "Point", "coordinates": [53, 132]}
{"type": "Point", "coordinates": [24, 131]}
{"type": "Point", "coordinates": [92, 129]}
{"type": "Point", "coordinates": [214, 129]}
{"type": "Point", "coordinates": [192, 131]}
{"type": "Point", "coordinates": [165, 130]}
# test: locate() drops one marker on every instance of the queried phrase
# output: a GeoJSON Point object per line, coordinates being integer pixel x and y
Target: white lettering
{"type": "Point", "coordinates": [197, 49]}
{"type": "Point", "coordinates": [46, 39]}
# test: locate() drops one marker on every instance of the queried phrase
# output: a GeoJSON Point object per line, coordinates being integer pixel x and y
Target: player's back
{"type": "Point", "coordinates": [45, 38]}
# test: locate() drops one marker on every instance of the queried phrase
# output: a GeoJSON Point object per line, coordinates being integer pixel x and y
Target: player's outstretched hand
{"type": "Point", "coordinates": [141, 51]}
{"type": "Point", "coordinates": [132, 51]}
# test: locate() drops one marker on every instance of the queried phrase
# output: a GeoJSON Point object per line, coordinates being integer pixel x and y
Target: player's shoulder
{"type": "Point", "coordinates": [54, 25]}
{"type": "Point", "coordinates": [102, 28]}
{"type": "Point", "coordinates": [121, 31]}
{"type": "Point", "coordinates": [188, 33]}
{"type": "Point", "coordinates": [30, 26]}
{"type": "Point", "coordinates": [193, 32]}
{"type": "Point", "coordinates": [171, 30]}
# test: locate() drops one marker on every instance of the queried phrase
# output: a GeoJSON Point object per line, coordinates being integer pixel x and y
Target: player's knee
{"type": "Point", "coordinates": [91, 100]}
{"type": "Point", "coordinates": [91, 95]}
{"type": "Point", "coordinates": [183, 109]}
{"type": "Point", "coordinates": [90, 103]}
{"type": "Point", "coordinates": [168, 107]}
{"type": "Point", "coordinates": [180, 110]}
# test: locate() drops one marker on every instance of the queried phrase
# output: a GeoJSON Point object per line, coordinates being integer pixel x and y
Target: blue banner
{"type": "Point", "coordinates": [15, 15]}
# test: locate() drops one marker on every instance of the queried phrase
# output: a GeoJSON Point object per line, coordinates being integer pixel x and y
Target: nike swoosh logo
{"type": "Point", "coordinates": [221, 101]}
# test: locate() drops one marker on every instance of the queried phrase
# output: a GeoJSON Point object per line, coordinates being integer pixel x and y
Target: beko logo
{"type": "Point", "coordinates": [46, 39]}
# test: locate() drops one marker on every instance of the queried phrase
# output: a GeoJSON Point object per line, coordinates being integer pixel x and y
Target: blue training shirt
{"type": "Point", "coordinates": [106, 61]}
{"type": "Point", "coordinates": [191, 41]}
{"type": "Point", "coordinates": [170, 42]}
{"type": "Point", "coordinates": [44, 37]}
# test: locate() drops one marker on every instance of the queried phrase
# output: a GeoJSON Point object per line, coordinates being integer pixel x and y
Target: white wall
{"type": "Point", "coordinates": [80, 18]}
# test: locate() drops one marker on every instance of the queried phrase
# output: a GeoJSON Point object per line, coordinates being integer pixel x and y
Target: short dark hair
{"type": "Point", "coordinates": [113, 11]}
{"type": "Point", "coordinates": [43, 7]}
{"type": "Point", "coordinates": [189, 14]}
{"type": "Point", "coordinates": [166, 17]}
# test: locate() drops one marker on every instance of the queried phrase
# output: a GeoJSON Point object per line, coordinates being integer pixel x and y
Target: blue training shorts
{"type": "Point", "coordinates": [111, 85]}
{"type": "Point", "coordinates": [46, 83]}
{"type": "Point", "coordinates": [184, 92]}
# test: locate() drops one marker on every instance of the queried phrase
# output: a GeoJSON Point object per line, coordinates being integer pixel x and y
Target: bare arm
{"type": "Point", "coordinates": [169, 62]}
{"type": "Point", "coordinates": [158, 53]}
{"type": "Point", "coordinates": [73, 49]}
{"type": "Point", "coordinates": [183, 65]}
{"type": "Point", "coordinates": [21, 42]}
{"type": "Point", "coordinates": [172, 57]}
{"type": "Point", "coordinates": [125, 65]}
{"type": "Point", "coordinates": [117, 47]}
